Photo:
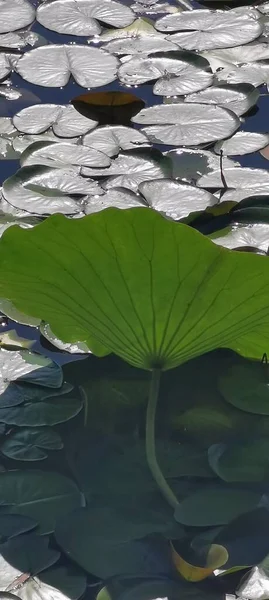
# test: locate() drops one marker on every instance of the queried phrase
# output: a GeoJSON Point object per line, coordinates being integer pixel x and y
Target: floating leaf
{"type": "Point", "coordinates": [43, 190]}
{"type": "Point", "coordinates": [31, 444]}
{"type": "Point", "coordinates": [47, 412]}
{"type": "Point", "coordinates": [52, 66]}
{"type": "Point", "coordinates": [189, 164]}
{"type": "Point", "coordinates": [29, 553]}
{"type": "Point", "coordinates": [135, 167]}
{"type": "Point", "coordinates": [236, 178]}
{"type": "Point", "coordinates": [111, 309]}
{"type": "Point", "coordinates": [205, 29]}
{"type": "Point", "coordinates": [22, 365]}
{"type": "Point", "coordinates": [182, 124]}
{"type": "Point", "coordinates": [248, 53]}
{"type": "Point", "coordinates": [256, 73]}
{"type": "Point", "coordinates": [114, 138]}
{"type": "Point", "coordinates": [241, 462]}
{"type": "Point", "coordinates": [15, 15]}
{"type": "Point", "coordinates": [79, 348]}
{"type": "Point", "coordinates": [43, 496]}
{"type": "Point", "coordinates": [176, 200]}
{"type": "Point", "coordinates": [246, 387]}
{"type": "Point", "coordinates": [243, 142]}
{"type": "Point", "coordinates": [215, 506]}
{"type": "Point", "coordinates": [255, 586]}
{"type": "Point", "coordinates": [140, 43]}
{"type": "Point", "coordinates": [177, 72]}
{"type": "Point", "coordinates": [84, 539]}
{"type": "Point", "coordinates": [237, 97]}
{"type": "Point", "coordinates": [78, 17]}
{"type": "Point", "coordinates": [64, 120]}
{"type": "Point", "coordinates": [62, 154]}
{"type": "Point", "coordinates": [13, 525]}
{"type": "Point", "coordinates": [115, 197]}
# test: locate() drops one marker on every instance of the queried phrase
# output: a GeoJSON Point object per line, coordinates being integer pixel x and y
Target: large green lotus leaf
{"type": "Point", "coordinates": [155, 292]}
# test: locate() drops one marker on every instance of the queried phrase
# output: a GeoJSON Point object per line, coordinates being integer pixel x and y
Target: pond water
{"type": "Point", "coordinates": [80, 509]}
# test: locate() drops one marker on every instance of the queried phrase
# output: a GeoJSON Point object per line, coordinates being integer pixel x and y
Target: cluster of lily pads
{"type": "Point", "coordinates": [207, 76]}
{"type": "Point", "coordinates": [139, 517]}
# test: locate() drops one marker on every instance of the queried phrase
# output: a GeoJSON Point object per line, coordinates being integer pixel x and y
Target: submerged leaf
{"type": "Point", "coordinates": [44, 496]}
{"type": "Point", "coordinates": [124, 299]}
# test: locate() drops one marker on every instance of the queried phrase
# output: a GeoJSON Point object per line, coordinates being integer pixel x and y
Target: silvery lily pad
{"type": "Point", "coordinates": [7, 221]}
{"type": "Point", "coordinates": [178, 72]}
{"type": "Point", "coordinates": [146, 7]}
{"type": "Point", "coordinates": [189, 164]}
{"type": "Point", "coordinates": [52, 66]}
{"type": "Point", "coordinates": [238, 177]}
{"type": "Point", "coordinates": [255, 586]}
{"type": "Point", "coordinates": [242, 142]}
{"type": "Point", "coordinates": [135, 167]}
{"type": "Point", "coordinates": [23, 141]}
{"type": "Point", "coordinates": [113, 138]}
{"type": "Point", "coordinates": [256, 236]}
{"type": "Point", "coordinates": [80, 17]}
{"type": "Point", "coordinates": [239, 54]}
{"type": "Point", "coordinates": [42, 190]}
{"type": "Point", "coordinates": [5, 66]}
{"type": "Point", "coordinates": [25, 366]}
{"type": "Point", "coordinates": [238, 97]}
{"type": "Point", "coordinates": [206, 29]}
{"type": "Point", "coordinates": [256, 73]}
{"type": "Point", "coordinates": [65, 120]}
{"type": "Point", "coordinates": [15, 14]}
{"type": "Point", "coordinates": [7, 308]}
{"type": "Point", "coordinates": [175, 199]}
{"type": "Point", "coordinates": [183, 124]}
{"type": "Point", "coordinates": [62, 154]}
{"type": "Point", "coordinates": [19, 40]}
{"type": "Point", "coordinates": [116, 197]}
{"type": "Point", "coordinates": [78, 348]}
{"type": "Point", "coordinates": [31, 444]}
{"type": "Point", "coordinates": [139, 44]}
{"type": "Point", "coordinates": [236, 195]}
{"type": "Point", "coordinates": [57, 583]}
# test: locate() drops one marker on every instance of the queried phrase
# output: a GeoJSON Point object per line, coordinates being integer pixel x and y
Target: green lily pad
{"type": "Point", "coordinates": [84, 539]}
{"type": "Point", "coordinates": [43, 496]}
{"type": "Point", "coordinates": [31, 443]}
{"type": "Point", "coordinates": [247, 387]}
{"type": "Point", "coordinates": [12, 525]}
{"type": "Point", "coordinates": [48, 412]}
{"type": "Point", "coordinates": [215, 506]}
{"type": "Point", "coordinates": [29, 553]}
{"type": "Point", "coordinates": [241, 462]}
{"type": "Point", "coordinates": [155, 292]}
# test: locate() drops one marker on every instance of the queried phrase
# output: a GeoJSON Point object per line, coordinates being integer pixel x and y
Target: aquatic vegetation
{"type": "Point", "coordinates": [151, 450]}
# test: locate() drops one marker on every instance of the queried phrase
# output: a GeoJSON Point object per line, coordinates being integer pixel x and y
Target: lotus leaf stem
{"type": "Point", "coordinates": [150, 441]}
